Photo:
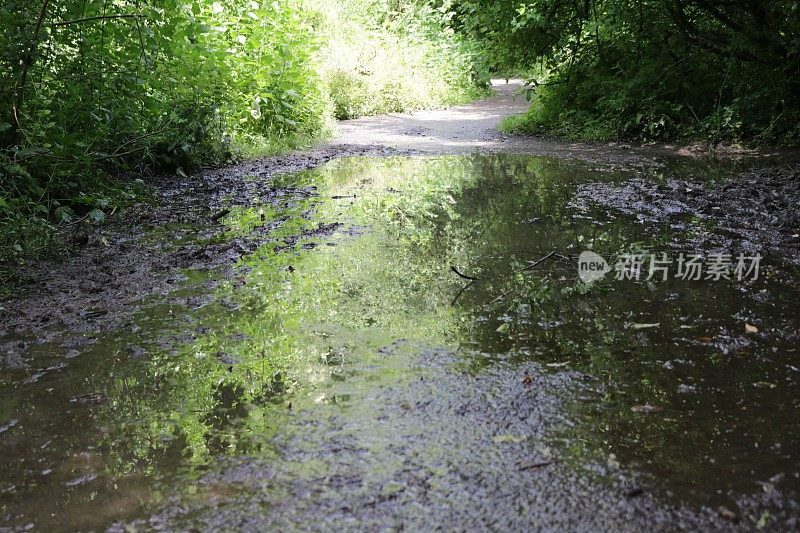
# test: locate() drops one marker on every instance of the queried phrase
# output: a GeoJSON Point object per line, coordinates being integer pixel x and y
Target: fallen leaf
{"type": "Point", "coordinates": [765, 385]}
{"type": "Point", "coordinates": [645, 326]}
{"type": "Point", "coordinates": [750, 329]}
{"type": "Point", "coordinates": [726, 513]}
{"type": "Point", "coordinates": [502, 328]}
{"type": "Point", "coordinates": [646, 408]}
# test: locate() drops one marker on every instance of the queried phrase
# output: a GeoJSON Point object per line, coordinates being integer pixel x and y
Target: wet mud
{"type": "Point", "coordinates": [284, 343]}
{"type": "Point", "coordinates": [754, 209]}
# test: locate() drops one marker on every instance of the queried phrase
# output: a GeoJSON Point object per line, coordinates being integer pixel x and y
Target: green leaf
{"type": "Point", "coordinates": [97, 215]}
{"type": "Point", "coordinates": [64, 214]}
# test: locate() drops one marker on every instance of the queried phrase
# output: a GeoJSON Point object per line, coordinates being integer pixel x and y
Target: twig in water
{"type": "Point", "coordinates": [220, 214]}
{"type": "Point", "coordinates": [464, 288]}
{"type": "Point", "coordinates": [535, 465]}
{"type": "Point", "coordinates": [473, 280]}
{"type": "Point", "coordinates": [460, 275]}
{"type": "Point", "coordinates": [535, 263]}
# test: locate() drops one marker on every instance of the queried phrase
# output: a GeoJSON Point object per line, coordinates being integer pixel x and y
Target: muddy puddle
{"type": "Point", "coordinates": [691, 386]}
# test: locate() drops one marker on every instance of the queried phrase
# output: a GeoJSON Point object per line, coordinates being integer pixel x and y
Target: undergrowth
{"type": "Point", "coordinates": [387, 61]}
{"type": "Point", "coordinates": [708, 100]}
{"type": "Point", "coordinates": [649, 70]}
{"type": "Point", "coordinates": [97, 90]}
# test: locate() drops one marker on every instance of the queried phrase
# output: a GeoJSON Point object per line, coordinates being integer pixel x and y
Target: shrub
{"type": "Point", "coordinates": [102, 89]}
{"type": "Point", "coordinates": [379, 59]}
{"type": "Point", "coordinates": [650, 70]}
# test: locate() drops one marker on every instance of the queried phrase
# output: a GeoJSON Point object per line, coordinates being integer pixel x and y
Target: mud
{"type": "Point", "coordinates": [443, 458]}
{"type": "Point", "coordinates": [295, 363]}
{"type": "Point", "coordinates": [141, 253]}
{"type": "Point", "coordinates": [754, 210]}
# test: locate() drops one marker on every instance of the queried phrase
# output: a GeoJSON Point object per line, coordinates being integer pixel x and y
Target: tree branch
{"type": "Point", "coordinates": [26, 65]}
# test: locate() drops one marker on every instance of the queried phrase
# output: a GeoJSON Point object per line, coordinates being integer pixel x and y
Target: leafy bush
{"type": "Point", "coordinates": [651, 102]}
{"type": "Point", "coordinates": [350, 94]}
{"type": "Point", "coordinates": [98, 89]}
{"type": "Point", "coordinates": [386, 57]}
{"type": "Point", "coordinates": [648, 69]}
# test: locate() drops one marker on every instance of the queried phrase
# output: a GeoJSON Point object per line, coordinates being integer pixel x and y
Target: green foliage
{"type": "Point", "coordinates": [647, 69]}
{"type": "Point", "coordinates": [98, 88]}
{"type": "Point", "coordinates": [350, 94]}
{"type": "Point", "coordinates": [387, 57]}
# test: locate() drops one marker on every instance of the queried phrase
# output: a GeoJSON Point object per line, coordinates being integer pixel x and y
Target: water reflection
{"type": "Point", "coordinates": [366, 262]}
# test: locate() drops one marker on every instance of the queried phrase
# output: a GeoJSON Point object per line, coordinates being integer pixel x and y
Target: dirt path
{"type": "Point", "coordinates": [370, 427]}
{"type": "Point", "coordinates": [109, 273]}
{"type": "Point", "coordinates": [463, 128]}
{"type": "Point", "coordinates": [473, 127]}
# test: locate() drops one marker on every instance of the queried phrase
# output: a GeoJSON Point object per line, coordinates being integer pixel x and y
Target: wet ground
{"type": "Point", "coordinates": [366, 337]}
